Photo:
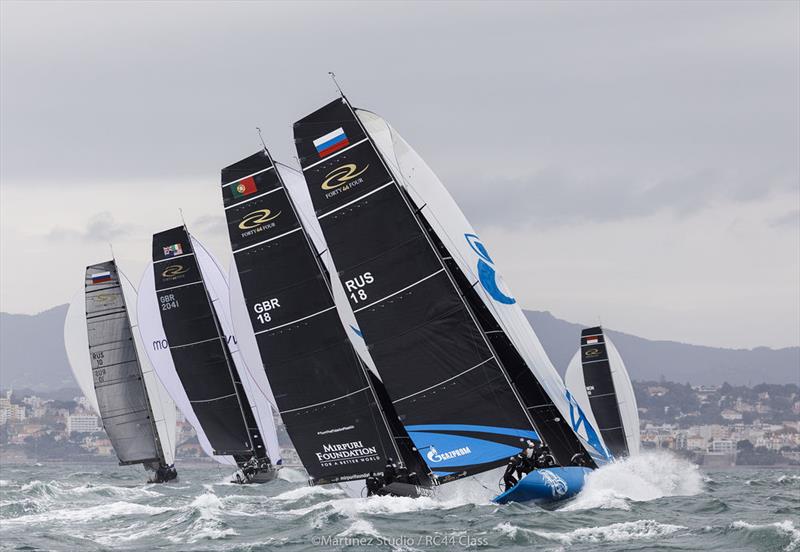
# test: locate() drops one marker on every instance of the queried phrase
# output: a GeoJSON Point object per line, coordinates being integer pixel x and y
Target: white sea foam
{"type": "Point", "coordinates": [642, 529]}
{"type": "Point", "coordinates": [789, 479]}
{"type": "Point", "coordinates": [90, 514]}
{"type": "Point", "coordinates": [360, 528]}
{"type": "Point", "coordinates": [784, 528]}
{"type": "Point", "coordinates": [303, 492]}
{"type": "Point", "coordinates": [292, 475]}
{"type": "Point", "coordinates": [648, 476]}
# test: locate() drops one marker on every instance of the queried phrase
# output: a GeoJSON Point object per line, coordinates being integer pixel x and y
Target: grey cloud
{"type": "Point", "coordinates": [101, 227]}
{"type": "Point", "coordinates": [790, 220]}
{"type": "Point", "coordinates": [553, 197]}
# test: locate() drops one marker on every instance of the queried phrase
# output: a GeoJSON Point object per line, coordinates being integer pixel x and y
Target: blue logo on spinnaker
{"type": "Point", "coordinates": [580, 420]}
{"type": "Point", "coordinates": [486, 273]}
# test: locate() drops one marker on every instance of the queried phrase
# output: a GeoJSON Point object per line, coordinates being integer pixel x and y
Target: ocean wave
{"type": "Point", "coordinates": [789, 479]}
{"type": "Point", "coordinates": [304, 492]}
{"type": "Point", "coordinates": [784, 530]}
{"type": "Point", "coordinates": [648, 476]}
{"type": "Point", "coordinates": [360, 528]}
{"type": "Point", "coordinates": [89, 514]}
{"type": "Point", "coordinates": [292, 475]}
{"type": "Point", "coordinates": [643, 529]}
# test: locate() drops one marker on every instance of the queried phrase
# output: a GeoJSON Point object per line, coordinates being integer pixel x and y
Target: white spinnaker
{"type": "Point", "coordinates": [626, 400]}
{"type": "Point", "coordinates": [157, 350]}
{"type": "Point", "coordinates": [575, 382]}
{"type": "Point", "coordinates": [218, 291]}
{"type": "Point", "coordinates": [76, 342]}
{"type": "Point", "coordinates": [452, 227]}
{"type": "Point", "coordinates": [162, 405]}
{"type": "Point", "coordinates": [298, 190]}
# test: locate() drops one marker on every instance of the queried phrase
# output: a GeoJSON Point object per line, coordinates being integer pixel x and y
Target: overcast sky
{"type": "Point", "coordinates": [634, 163]}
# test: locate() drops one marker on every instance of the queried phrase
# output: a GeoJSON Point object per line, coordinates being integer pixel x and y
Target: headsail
{"type": "Point", "coordinates": [122, 399]}
{"type": "Point", "coordinates": [556, 416]}
{"type": "Point", "coordinates": [322, 390]}
{"type": "Point", "coordinates": [600, 383]}
{"type": "Point", "coordinates": [442, 374]}
{"type": "Point", "coordinates": [199, 351]}
{"type": "Point", "coordinates": [156, 346]}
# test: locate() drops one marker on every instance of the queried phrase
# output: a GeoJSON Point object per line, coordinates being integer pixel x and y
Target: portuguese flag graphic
{"type": "Point", "coordinates": [244, 187]}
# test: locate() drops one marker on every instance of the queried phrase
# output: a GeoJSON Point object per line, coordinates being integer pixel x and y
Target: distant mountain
{"type": "Point", "coordinates": [679, 362]}
{"type": "Point", "coordinates": [32, 354]}
{"type": "Point", "coordinates": [32, 351]}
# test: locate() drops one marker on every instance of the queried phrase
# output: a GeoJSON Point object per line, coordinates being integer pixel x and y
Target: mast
{"type": "Point", "coordinates": [122, 400]}
{"type": "Point", "coordinates": [417, 214]}
{"type": "Point", "coordinates": [557, 416]}
{"type": "Point", "coordinates": [444, 378]}
{"type": "Point", "coordinates": [249, 421]}
{"type": "Point", "coordinates": [198, 349]}
{"type": "Point", "coordinates": [326, 277]}
{"type": "Point", "coordinates": [332, 415]}
{"type": "Point", "coordinates": [150, 416]}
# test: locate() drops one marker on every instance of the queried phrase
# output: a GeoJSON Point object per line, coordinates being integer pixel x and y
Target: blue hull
{"type": "Point", "coordinates": [546, 485]}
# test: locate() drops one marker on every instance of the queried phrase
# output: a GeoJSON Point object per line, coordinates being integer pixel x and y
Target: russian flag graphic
{"type": "Point", "coordinates": [101, 277]}
{"type": "Point", "coordinates": [331, 142]}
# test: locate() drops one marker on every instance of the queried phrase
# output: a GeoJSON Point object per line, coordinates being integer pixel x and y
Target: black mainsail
{"type": "Point", "coordinates": [599, 384]}
{"type": "Point", "coordinates": [443, 375]}
{"type": "Point", "coordinates": [199, 350]}
{"type": "Point", "coordinates": [122, 399]}
{"type": "Point", "coordinates": [325, 395]}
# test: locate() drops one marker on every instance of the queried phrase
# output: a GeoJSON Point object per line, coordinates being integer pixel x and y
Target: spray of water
{"type": "Point", "coordinates": [648, 476]}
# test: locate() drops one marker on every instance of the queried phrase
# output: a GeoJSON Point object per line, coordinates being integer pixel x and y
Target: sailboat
{"type": "Point", "coordinates": [335, 410]}
{"type": "Point", "coordinates": [464, 370]}
{"type": "Point", "coordinates": [598, 380]}
{"type": "Point", "coordinates": [106, 356]}
{"type": "Point", "coordinates": [184, 294]}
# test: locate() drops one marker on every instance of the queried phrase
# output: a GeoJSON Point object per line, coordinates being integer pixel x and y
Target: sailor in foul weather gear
{"type": "Point", "coordinates": [579, 459]}
{"type": "Point", "coordinates": [374, 484]}
{"type": "Point", "coordinates": [390, 471]}
{"type": "Point", "coordinates": [508, 477]}
{"type": "Point", "coordinates": [544, 459]}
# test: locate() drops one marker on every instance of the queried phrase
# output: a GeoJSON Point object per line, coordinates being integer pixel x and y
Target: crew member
{"type": "Point", "coordinates": [579, 459]}
{"type": "Point", "coordinates": [390, 471]}
{"type": "Point", "coordinates": [373, 484]}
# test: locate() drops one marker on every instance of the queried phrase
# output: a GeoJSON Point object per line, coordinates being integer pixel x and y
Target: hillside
{"type": "Point", "coordinates": [32, 354]}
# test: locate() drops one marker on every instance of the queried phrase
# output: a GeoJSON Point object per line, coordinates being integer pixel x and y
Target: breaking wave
{"type": "Point", "coordinates": [782, 530]}
{"type": "Point", "coordinates": [645, 477]}
{"type": "Point", "coordinates": [643, 529]}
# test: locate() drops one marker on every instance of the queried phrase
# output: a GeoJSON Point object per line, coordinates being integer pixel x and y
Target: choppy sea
{"type": "Point", "coordinates": [653, 502]}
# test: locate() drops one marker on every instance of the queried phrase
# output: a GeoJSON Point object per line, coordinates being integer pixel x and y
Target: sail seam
{"type": "Point", "coordinates": [335, 154]}
{"type": "Point", "coordinates": [295, 321]}
{"type": "Point", "coordinates": [180, 286]}
{"type": "Point", "coordinates": [251, 199]}
{"type": "Point", "coordinates": [194, 343]}
{"type": "Point", "coordinates": [173, 258]}
{"type": "Point", "coordinates": [214, 399]}
{"type": "Point", "coordinates": [248, 176]}
{"type": "Point", "coordinates": [595, 361]}
{"type": "Point", "coordinates": [399, 291]}
{"type": "Point", "coordinates": [265, 241]}
{"type": "Point", "coordinates": [445, 381]}
{"type": "Point", "coordinates": [325, 402]}
{"type": "Point", "coordinates": [359, 198]}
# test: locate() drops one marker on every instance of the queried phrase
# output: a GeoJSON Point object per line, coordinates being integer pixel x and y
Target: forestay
{"type": "Point", "coordinates": [558, 418]}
